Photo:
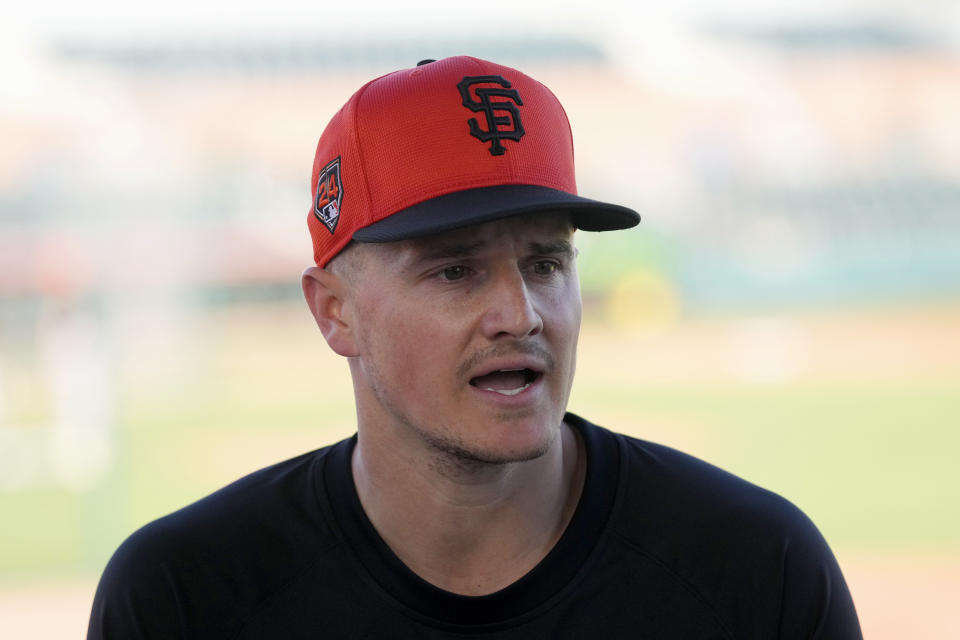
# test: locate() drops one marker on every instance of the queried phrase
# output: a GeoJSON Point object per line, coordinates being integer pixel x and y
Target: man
{"type": "Point", "coordinates": [469, 504]}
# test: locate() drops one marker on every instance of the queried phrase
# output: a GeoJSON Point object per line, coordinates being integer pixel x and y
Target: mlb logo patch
{"type": "Point", "coordinates": [329, 195]}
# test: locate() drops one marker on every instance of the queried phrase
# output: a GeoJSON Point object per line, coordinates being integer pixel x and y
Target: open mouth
{"type": "Point", "coordinates": [507, 382]}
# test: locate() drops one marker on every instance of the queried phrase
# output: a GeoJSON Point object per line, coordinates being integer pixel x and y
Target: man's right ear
{"type": "Point", "coordinates": [324, 292]}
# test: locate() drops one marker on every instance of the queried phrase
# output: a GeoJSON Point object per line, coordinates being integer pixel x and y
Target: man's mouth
{"type": "Point", "coordinates": [507, 382]}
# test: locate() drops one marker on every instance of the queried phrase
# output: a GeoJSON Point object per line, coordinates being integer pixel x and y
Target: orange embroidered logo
{"type": "Point", "coordinates": [329, 195]}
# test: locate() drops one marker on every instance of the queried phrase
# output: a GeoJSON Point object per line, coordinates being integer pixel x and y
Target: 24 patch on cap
{"type": "Point", "coordinates": [329, 195]}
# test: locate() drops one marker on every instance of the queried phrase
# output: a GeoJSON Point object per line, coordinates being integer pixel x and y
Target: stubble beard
{"type": "Point", "coordinates": [452, 456]}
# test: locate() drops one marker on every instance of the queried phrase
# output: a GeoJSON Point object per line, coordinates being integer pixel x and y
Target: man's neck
{"type": "Point", "coordinates": [470, 529]}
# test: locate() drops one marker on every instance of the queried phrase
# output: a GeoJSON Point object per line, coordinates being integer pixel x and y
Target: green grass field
{"type": "Point", "coordinates": [859, 435]}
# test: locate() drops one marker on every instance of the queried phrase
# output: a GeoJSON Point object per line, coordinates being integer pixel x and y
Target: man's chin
{"type": "Point", "coordinates": [475, 456]}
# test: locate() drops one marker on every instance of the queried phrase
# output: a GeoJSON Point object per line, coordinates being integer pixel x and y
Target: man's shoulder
{"type": "Point", "coordinates": [747, 553]}
{"type": "Point", "coordinates": [691, 496]}
{"type": "Point", "coordinates": [276, 502]}
{"type": "Point", "coordinates": [228, 549]}
{"type": "Point", "coordinates": [660, 477]}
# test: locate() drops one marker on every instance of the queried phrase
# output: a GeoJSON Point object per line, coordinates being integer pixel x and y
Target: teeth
{"type": "Point", "coordinates": [509, 392]}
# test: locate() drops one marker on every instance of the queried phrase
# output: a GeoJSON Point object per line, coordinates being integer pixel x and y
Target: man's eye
{"type": "Point", "coordinates": [454, 273]}
{"type": "Point", "coordinates": [544, 267]}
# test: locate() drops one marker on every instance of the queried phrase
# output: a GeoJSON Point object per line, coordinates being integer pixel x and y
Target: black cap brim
{"type": "Point", "coordinates": [483, 204]}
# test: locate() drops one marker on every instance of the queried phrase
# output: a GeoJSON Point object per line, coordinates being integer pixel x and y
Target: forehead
{"type": "Point", "coordinates": [538, 228]}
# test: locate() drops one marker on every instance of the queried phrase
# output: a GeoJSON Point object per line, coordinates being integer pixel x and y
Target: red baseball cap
{"type": "Point", "coordinates": [446, 144]}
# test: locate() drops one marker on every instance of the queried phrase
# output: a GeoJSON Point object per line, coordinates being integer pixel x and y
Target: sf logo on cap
{"type": "Point", "coordinates": [329, 195]}
{"type": "Point", "coordinates": [500, 113]}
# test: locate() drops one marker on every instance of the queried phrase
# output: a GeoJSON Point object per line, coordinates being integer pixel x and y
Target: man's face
{"type": "Point", "coordinates": [466, 340]}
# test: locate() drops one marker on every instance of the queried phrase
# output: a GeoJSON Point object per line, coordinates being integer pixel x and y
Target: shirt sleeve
{"type": "Point", "coordinates": [137, 596]}
{"type": "Point", "coordinates": [815, 600]}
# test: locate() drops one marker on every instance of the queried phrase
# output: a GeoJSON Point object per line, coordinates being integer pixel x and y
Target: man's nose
{"type": "Point", "coordinates": [510, 309]}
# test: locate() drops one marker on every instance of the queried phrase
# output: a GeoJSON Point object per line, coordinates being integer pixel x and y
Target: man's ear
{"type": "Point", "coordinates": [324, 292]}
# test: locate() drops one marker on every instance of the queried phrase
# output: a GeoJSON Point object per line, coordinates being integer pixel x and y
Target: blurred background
{"type": "Point", "coordinates": [789, 308]}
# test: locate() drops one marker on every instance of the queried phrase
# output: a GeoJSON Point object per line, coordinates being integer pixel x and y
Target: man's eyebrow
{"type": "Point", "coordinates": [451, 250]}
{"type": "Point", "coordinates": [457, 250]}
{"type": "Point", "coordinates": [559, 247]}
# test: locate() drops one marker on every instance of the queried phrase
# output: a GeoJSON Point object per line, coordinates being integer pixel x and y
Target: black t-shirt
{"type": "Point", "coordinates": [661, 545]}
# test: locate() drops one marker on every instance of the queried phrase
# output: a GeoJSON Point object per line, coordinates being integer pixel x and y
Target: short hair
{"type": "Point", "coordinates": [348, 263]}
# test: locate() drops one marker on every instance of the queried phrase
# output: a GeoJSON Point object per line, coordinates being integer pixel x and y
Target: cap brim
{"type": "Point", "coordinates": [473, 206]}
